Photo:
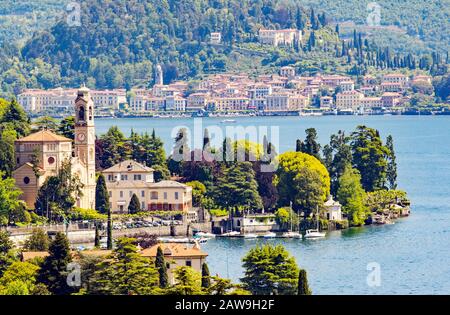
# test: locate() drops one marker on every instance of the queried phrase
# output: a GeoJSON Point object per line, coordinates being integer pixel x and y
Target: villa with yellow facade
{"type": "Point", "coordinates": [129, 177]}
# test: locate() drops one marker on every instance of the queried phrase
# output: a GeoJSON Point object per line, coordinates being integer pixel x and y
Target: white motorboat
{"type": "Point", "coordinates": [232, 233]}
{"type": "Point", "coordinates": [292, 235]}
{"type": "Point", "coordinates": [250, 236]}
{"type": "Point", "coordinates": [314, 234]}
{"type": "Point", "coordinates": [269, 235]}
{"type": "Point", "coordinates": [204, 234]}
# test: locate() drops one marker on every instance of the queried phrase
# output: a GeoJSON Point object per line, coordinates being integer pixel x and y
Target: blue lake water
{"type": "Point", "coordinates": [413, 254]}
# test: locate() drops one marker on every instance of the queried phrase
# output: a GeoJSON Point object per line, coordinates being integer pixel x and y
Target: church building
{"type": "Point", "coordinates": [41, 155]}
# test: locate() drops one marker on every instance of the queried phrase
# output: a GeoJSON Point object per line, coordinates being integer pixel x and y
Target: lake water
{"type": "Point", "coordinates": [413, 254]}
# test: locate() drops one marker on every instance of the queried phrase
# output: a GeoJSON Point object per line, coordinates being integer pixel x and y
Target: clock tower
{"type": "Point", "coordinates": [85, 144]}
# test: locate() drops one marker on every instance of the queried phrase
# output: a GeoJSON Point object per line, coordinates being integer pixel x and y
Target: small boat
{"type": "Point", "coordinates": [269, 235]}
{"type": "Point", "coordinates": [292, 235]}
{"type": "Point", "coordinates": [250, 236]}
{"type": "Point", "coordinates": [231, 234]}
{"type": "Point", "coordinates": [204, 234]}
{"type": "Point", "coordinates": [314, 234]}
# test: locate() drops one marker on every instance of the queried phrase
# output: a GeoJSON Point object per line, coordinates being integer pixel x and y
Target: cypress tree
{"type": "Point", "coordinates": [53, 272]}
{"type": "Point", "coordinates": [206, 279]}
{"type": "Point", "coordinates": [160, 265]}
{"type": "Point", "coordinates": [391, 171]}
{"type": "Point", "coordinates": [101, 195]}
{"type": "Point", "coordinates": [303, 287]}
{"type": "Point", "coordinates": [97, 237]}
{"type": "Point", "coordinates": [109, 241]}
{"type": "Point", "coordinates": [134, 206]}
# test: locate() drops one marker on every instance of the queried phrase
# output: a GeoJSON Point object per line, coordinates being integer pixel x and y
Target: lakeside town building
{"type": "Point", "coordinates": [130, 177]}
{"type": "Point", "coordinates": [229, 93]}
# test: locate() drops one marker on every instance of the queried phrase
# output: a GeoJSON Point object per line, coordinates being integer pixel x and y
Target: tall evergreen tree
{"type": "Point", "coordinates": [109, 235]}
{"type": "Point", "coordinates": [97, 237]}
{"type": "Point", "coordinates": [53, 272]}
{"type": "Point", "coordinates": [160, 265]}
{"type": "Point", "coordinates": [311, 146]}
{"type": "Point", "coordinates": [391, 172]}
{"type": "Point", "coordinates": [101, 195]}
{"type": "Point", "coordinates": [134, 206]}
{"type": "Point", "coordinates": [15, 117]}
{"type": "Point", "coordinates": [303, 287]}
{"type": "Point", "coordinates": [206, 278]}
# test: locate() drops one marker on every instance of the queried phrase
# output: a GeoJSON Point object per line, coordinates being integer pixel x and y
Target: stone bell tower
{"type": "Point", "coordinates": [85, 144]}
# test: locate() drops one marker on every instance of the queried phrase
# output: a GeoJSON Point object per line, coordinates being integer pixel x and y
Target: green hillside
{"type": "Point", "coordinates": [120, 41]}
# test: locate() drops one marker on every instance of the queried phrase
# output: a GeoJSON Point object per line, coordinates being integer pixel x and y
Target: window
{"type": "Point", "coordinates": [138, 177]}
{"type": "Point", "coordinates": [123, 177]}
{"type": "Point", "coordinates": [142, 205]}
{"type": "Point", "coordinates": [188, 263]}
{"type": "Point", "coordinates": [176, 195]}
{"type": "Point", "coordinates": [154, 195]}
{"type": "Point", "coordinates": [26, 180]}
{"type": "Point", "coordinates": [165, 195]}
{"type": "Point", "coordinates": [143, 193]}
{"type": "Point", "coordinates": [110, 194]}
{"type": "Point", "coordinates": [131, 194]}
{"type": "Point", "coordinates": [168, 265]}
{"type": "Point", "coordinates": [121, 194]}
{"type": "Point", "coordinates": [51, 160]}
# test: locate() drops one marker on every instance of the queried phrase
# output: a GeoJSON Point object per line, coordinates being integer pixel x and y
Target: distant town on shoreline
{"type": "Point", "coordinates": [228, 94]}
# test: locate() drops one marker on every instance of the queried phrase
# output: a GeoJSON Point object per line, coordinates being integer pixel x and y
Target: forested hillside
{"type": "Point", "coordinates": [120, 41]}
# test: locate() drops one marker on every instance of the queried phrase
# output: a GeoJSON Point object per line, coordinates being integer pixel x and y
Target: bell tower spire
{"type": "Point", "coordinates": [85, 142]}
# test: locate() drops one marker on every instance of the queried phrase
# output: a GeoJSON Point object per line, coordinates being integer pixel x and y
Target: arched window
{"type": "Point", "coordinates": [81, 113]}
{"type": "Point", "coordinates": [90, 112]}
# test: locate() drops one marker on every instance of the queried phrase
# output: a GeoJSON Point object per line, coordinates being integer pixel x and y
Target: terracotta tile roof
{"type": "Point", "coordinates": [44, 136]}
{"type": "Point", "coordinates": [174, 250]}
{"type": "Point", "coordinates": [129, 166]}
{"type": "Point", "coordinates": [91, 253]}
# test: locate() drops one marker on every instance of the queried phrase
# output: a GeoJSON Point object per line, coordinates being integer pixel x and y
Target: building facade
{"type": "Point", "coordinates": [42, 154]}
{"type": "Point", "coordinates": [129, 177]}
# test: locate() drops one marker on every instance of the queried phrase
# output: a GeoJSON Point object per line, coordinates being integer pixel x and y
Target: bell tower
{"type": "Point", "coordinates": [85, 143]}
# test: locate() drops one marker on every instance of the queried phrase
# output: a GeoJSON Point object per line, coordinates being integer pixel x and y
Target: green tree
{"type": "Point", "coordinates": [58, 194]}
{"type": "Point", "coordinates": [160, 265]}
{"type": "Point", "coordinates": [237, 187]}
{"type": "Point", "coordinates": [7, 252]}
{"type": "Point", "coordinates": [303, 287]}
{"type": "Point", "coordinates": [45, 123]}
{"type": "Point", "coordinates": [311, 146]}
{"type": "Point", "coordinates": [19, 279]}
{"type": "Point", "coordinates": [135, 205]}
{"type": "Point", "coordinates": [97, 237]}
{"type": "Point", "coordinates": [391, 171]}
{"type": "Point", "coordinates": [206, 278]}
{"type": "Point", "coordinates": [15, 117]}
{"type": "Point", "coordinates": [101, 195]}
{"type": "Point", "coordinates": [112, 148]}
{"type": "Point", "coordinates": [352, 196]}
{"type": "Point", "coordinates": [109, 228]}
{"type": "Point", "coordinates": [270, 270]}
{"type": "Point", "coordinates": [198, 192]}
{"type": "Point", "coordinates": [187, 282]}
{"type": "Point", "coordinates": [125, 272]}
{"type": "Point", "coordinates": [38, 241]}
{"type": "Point", "coordinates": [369, 157]}
{"type": "Point", "coordinates": [7, 150]}
{"type": "Point", "coordinates": [9, 199]}
{"type": "Point", "coordinates": [66, 127]}
{"type": "Point", "coordinates": [53, 272]}
{"type": "Point", "coordinates": [303, 180]}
